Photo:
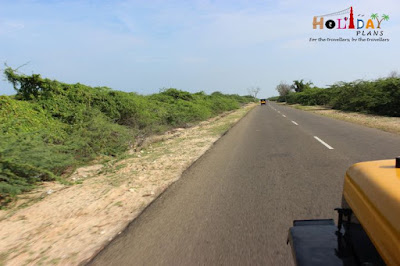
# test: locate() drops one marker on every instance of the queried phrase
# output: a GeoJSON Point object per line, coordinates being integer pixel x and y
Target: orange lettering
{"type": "Point", "coordinates": [319, 23]}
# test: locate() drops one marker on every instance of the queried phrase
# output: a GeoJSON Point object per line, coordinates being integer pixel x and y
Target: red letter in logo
{"type": "Point", "coordinates": [339, 24]}
{"type": "Point", "coordinates": [320, 23]}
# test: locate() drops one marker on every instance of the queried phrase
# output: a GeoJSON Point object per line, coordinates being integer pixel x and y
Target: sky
{"type": "Point", "coordinates": [227, 45]}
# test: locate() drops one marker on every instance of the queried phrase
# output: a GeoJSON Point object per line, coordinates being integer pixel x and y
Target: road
{"type": "Point", "coordinates": [235, 204]}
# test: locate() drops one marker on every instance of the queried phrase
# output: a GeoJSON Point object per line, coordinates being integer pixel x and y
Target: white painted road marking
{"type": "Point", "coordinates": [323, 142]}
{"type": "Point", "coordinates": [295, 123]}
{"type": "Point", "coordinates": [284, 115]}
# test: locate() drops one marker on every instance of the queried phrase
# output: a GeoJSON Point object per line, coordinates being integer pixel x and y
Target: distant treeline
{"type": "Point", "coordinates": [381, 97]}
{"type": "Point", "coordinates": [50, 127]}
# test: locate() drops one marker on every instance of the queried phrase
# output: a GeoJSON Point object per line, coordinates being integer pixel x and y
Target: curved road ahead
{"type": "Point", "coordinates": [235, 204]}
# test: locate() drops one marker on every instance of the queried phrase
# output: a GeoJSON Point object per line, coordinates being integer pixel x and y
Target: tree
{"type": "Point", "coordinates": [394, 74]}
{"type": "Point", "coordinates": [385, 17]}
{"type": "Point", "coordinates": [283, 89]}
{"type": "Point", "coordinates": [376, 16]}
{"type": "Point", "coordinates": [299, 85]}
{"type": "Point", "coordinates": [253, 91]}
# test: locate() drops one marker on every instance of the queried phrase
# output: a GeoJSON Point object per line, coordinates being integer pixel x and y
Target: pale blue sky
{"type": "Point", "coordinates": [228, 46]}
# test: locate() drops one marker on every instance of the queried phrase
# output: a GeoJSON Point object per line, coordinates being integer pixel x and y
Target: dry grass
{"type": "Point", "coordinates": [70, 224]}
{"type": "Point", "coordinates": [389, 124]}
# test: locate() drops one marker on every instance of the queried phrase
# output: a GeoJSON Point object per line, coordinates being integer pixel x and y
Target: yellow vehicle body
{"type": "Point", "coordinates": [372, 190]}
{"type": "Point", "coordinates": [263, 101]}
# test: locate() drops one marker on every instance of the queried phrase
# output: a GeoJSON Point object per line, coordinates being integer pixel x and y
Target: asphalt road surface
{"type": "Point", "coordinates": [234, 206]}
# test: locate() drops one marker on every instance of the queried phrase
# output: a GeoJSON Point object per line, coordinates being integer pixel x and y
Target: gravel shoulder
{"type": "Point", "coordinates": [67, 225]}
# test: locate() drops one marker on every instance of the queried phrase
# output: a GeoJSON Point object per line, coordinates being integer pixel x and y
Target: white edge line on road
{"type": "Point", "coordinates": [295, 123]}
{"type": "Point", "coordinates": [323, 143]}
{"type": "Point", "coordinates": [284, 115]}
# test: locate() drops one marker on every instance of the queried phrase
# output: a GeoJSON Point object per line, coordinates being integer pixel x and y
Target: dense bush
{"type": "Point", "coordinates": [380, 96]}
{"type": "Point", "coordinates": [274, 99]}
{"type": "Point", "coordinates": [50, 126]}
{"type": "Point", "coordinates": [309, 96]}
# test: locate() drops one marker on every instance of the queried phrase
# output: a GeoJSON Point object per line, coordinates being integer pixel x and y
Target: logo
{"type": "Point", "coordinates": [362, 25]}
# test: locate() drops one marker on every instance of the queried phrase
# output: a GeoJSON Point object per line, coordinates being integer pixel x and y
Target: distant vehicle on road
{"type": "Point", "coordinates": [263, 101]}
{"type": "Point", "coordinates": [368, 230]}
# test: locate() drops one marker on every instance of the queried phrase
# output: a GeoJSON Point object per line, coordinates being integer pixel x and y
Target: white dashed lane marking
{"type": "Point", "coordinates": [323, 143]}
{"type": "Point", "coordinates": [320, 140]}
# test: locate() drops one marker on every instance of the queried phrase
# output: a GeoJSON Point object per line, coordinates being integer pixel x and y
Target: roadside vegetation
{"type": "Point", "coordinates": [379, 97]}
{"type": "Point", "coordinates": [48, 127]}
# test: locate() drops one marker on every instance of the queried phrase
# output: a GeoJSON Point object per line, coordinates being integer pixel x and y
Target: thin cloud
{"type": "Point", "coordinates": [10, 26]}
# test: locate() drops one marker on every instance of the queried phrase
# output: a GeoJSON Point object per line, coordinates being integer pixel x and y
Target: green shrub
{"type": "Point", "coordinates": [380, 96]}
{"type": "Point", "coordinates": [20, 117]}
{"type": "Point", "coordinates": [26, 159]}
{"type": "Point", "coordinates": [97, 135]}
{"type": "Point", "coordinates": [50, 126]}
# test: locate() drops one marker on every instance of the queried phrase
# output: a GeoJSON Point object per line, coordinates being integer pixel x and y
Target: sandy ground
{"type": "Point", "coordinates": [385, 123]}
{"type": "Point", "coordinates": [67, 225]}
